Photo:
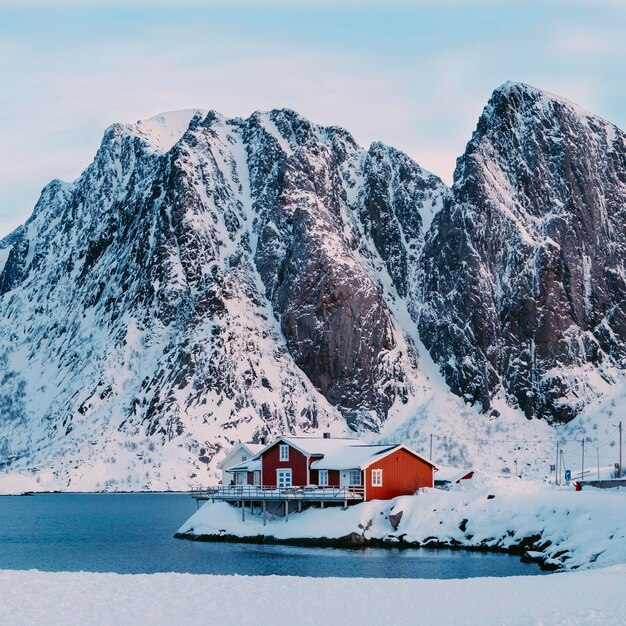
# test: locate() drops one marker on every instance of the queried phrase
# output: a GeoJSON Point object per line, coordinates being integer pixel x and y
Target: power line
{"type": "Point", "coordinates": [562, 442]}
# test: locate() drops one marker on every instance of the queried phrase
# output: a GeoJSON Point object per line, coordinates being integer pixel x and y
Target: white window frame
{"type": "Point", "coordinates": [257, 477]}
{"type": "Point", "coordinates": [283, 452]}
{"type": "Point", "coordinates": [244, 458]}
{"type": "Point", "coordinates": [240, 478]}
{"type": "Point", "coordinates": [284, 472]}
{"type": "Point", "coordinates": [323, 478]}
{"type": "Point", "coordinates": [355, 473]}
{"type": "Point", "coordinates": [377, 477]}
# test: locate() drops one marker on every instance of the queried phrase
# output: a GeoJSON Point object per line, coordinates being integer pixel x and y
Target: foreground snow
{"type": "Point", "coordinates": [559, 527]}
{"type": "Point", "coordinates": [32, 597]}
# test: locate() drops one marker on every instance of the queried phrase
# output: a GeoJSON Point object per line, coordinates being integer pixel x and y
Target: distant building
{"type": "Point", "coordinates": [374, 472]}
{"type": "Point", "coordinates": [447, 476]}
{"type": "Point", "coordinates": [239, 454]}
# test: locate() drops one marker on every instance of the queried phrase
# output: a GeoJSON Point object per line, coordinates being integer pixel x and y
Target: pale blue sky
{"type": "Point", "coordinates": [412, 74]}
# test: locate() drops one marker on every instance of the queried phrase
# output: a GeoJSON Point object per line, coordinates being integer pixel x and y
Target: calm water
{"type": "Point", "coordinates": [133, 533]}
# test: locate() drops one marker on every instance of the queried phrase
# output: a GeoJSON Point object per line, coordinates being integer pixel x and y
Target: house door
{"type": "Point", "coordinates": [344, 478]}
{"type": "Point", "coordinates": [350, 478]}
{"type": "Point", "coordinates": [283, 478]}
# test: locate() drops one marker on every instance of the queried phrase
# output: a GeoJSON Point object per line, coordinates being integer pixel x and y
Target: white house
{"type": "Point", "coordinates": [239, 454]}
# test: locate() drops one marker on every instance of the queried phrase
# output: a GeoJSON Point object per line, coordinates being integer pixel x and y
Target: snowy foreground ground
{"type": "Point", "coordinates": [31, 597]}
{"type": "Point", "coordinates": [559, 527]}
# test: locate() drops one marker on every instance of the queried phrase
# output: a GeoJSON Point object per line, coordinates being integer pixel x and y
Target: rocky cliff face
{"type": "Point", "coordinates": [523, 272]}
{"type": "Point", "coordinates": [208, 280]}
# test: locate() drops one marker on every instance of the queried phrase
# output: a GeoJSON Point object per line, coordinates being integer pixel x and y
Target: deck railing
{"type": "Point", "coordinates": [264, 492]}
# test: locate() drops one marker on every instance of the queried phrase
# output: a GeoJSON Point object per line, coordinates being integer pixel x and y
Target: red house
{"type": "Point", "coordinates": [378, 472]}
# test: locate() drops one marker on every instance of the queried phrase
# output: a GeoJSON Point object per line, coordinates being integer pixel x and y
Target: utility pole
{"type": "Point", "coordinates": [556, 467]}
{"type": "Point", "coordinates": [562, 464]}
{"type": "Point", "coordinates": [582, 463]}
{"type": "Point", "coordinates": [431, 447]}
{"type": "Point", "coordinates": [620, 473]}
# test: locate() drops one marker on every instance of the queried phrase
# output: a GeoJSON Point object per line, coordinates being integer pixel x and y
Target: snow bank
{"type": "Point", "coordinates": [559, 528]}
{"type": "Point", "coordinates": [12, 484]}
{"type": "Point", "coordinates": [32, 597]}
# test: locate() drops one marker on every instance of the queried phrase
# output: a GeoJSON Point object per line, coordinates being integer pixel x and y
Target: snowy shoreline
{"type": "Point", "coordinates": [558, 529]}
{"type": "Point", "coordinates": [355, 541]}
{"type": "Point", "coordinates": [593, 597]}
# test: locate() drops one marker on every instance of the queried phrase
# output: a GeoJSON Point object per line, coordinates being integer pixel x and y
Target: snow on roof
{"type": "Point", "coordinates": [251, 465]}
{"type": "Point", "coordinates": [451, 474]}
{"type": "Point", "coordinates": [252, 448]}
{"type": "Point", "coordinates": [316, 446]}
{"type": "Point", "coordinates": [350, 457]}
{"type": "Point", "coordinates": [340, 453]}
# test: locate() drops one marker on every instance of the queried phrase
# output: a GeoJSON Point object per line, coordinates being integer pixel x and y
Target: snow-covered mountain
{"type": "Point", "coordinates": [209, 280]}
{"type": "Point", "coordinates": [524, 281]}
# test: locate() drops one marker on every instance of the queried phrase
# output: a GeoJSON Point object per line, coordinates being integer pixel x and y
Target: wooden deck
{"type": "Point", "coordinates": [280, 500]}
{"type": "Point", "coordinates": [256, 493]}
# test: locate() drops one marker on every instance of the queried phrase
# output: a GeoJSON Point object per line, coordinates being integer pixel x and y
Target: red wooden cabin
{"type": "Point", "coordinates": [379, 472]}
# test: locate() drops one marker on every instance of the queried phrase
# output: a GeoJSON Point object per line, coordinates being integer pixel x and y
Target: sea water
{"type": "Point", "coordinates": [134, 533]}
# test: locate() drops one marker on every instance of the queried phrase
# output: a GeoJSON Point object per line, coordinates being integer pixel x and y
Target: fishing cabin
{"type": "Point", "coordinates": [324, 470]}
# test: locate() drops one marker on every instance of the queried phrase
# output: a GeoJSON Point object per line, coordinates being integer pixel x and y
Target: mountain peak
{"type": "Point", "coordinates": [517, 93]}
{"type": "Point", "coordinates": [165, 129]}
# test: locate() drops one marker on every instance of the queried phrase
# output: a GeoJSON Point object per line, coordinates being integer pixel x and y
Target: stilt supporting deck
{"type": "Point", "coordinates": [264, 514]}
{"type": "Point", "coordinates": [243, 511]}
{"type": "Point", "coordinates": [286, 510]}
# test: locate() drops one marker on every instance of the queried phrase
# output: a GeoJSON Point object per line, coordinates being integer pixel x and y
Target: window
{"type": "Point", "coordinates": [323, 478]}
{"type": "Point", "coordinates": [244, 458]}
{"type": "Point", "coordinates": [240, 478]}
{"type": "Point", "coordinates": [257, 477]}
{"type": "Point", "coordinates": [284, 452]}
{"type": "Point", "coordinates": [355, 477]}
{"type": "Point", "coordinates": [283, 478]}
{"type": "Point", "coordinates": [377, 478]}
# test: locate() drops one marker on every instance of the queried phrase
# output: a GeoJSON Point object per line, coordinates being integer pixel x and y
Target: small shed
{"type": "Point", "coordinates": [447, 476]}
{"type": "Point", "coordinates": [239, 454]}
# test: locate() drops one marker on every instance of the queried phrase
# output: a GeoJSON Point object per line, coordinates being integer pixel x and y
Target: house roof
{"type": "Point", "coordinates": [253, 449]}
{"type": "Point", "coordinates": [314, 446]}
{"type": "Point", "coordinates": [341, 453]}
{"type": "Point", "coordinates": [451, 474]}
{"type": "Point", "coordinates": [349, 457]}
{"type": "Point", "coordinates": [250, 465]}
